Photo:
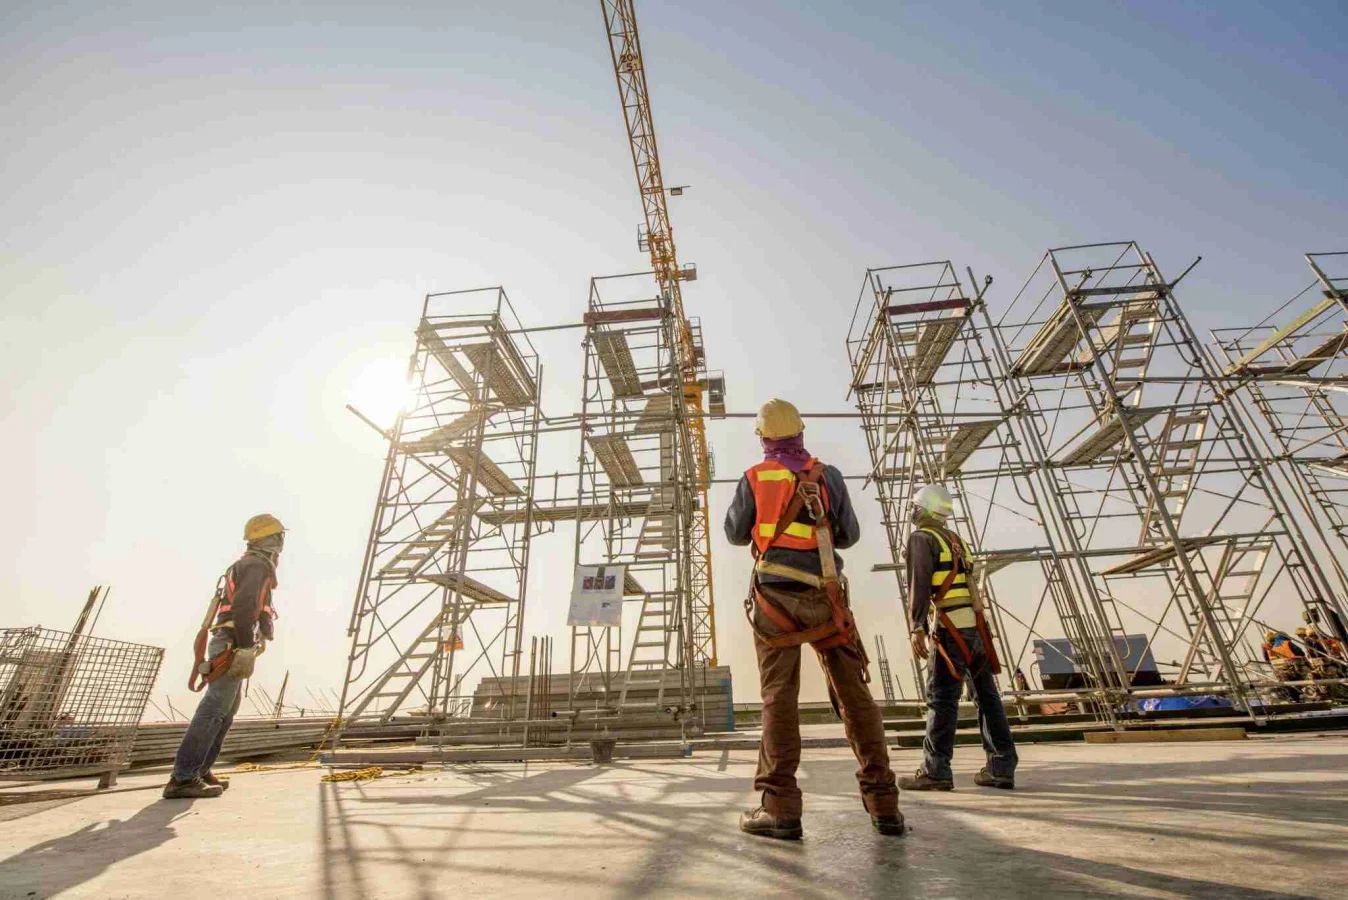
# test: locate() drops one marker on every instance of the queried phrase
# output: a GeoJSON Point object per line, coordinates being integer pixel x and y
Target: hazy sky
{"type": "Point", "coordinates": [215, 221]}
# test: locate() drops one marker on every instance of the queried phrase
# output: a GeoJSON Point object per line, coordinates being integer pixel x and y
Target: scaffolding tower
{"type": "Point", "coordinates": [442, 586]}
{"type": "Point", "coordinates": [1292, 379]}
{"type": "Point", "coordinates": [1184, 532]}
{"type": "Point", "coordinates": [636, 501]}
{"type": "Point", "coordinates": [928, 382]}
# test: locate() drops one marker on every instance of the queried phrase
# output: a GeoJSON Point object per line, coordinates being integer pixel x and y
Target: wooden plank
{"type": "Point", "coordinates": [904, 309]}
{"type": "Point", "coordinates": [1166, 735]}
{"type": "Point", "coordinates": [623, 315]}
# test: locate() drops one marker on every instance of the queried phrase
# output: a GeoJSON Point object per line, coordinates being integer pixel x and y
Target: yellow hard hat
{"type": "Point", "coordinates": [1270, 635]}
{"type": "Point", "coordinates": [778, 419]}
{"type": "Point", "coordinates": [261, 526]}
{"type": "Point", "coordinates": [1302, 632]}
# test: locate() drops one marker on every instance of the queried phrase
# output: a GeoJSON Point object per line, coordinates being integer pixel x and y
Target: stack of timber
{"type": "Point", "coordinates": [649, 712]}
{"type": "Point", "coordinates": [157, 742]}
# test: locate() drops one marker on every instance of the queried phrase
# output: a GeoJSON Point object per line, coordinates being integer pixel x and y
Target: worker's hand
{"type": "Point", "coordinates": [241, 666]}
{"type": "Point", "coordinates": [919, 641]}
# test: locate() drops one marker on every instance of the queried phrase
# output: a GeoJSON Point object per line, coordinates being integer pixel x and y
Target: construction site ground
{"type": "Point", "coordinates": [1263, 817]}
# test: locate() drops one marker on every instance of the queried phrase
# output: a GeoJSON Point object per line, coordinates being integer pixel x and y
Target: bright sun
{"type": "Point", "coordinates": [380, 391]}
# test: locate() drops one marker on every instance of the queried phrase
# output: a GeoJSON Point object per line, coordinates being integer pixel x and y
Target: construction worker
{"type": "Point", "coordinates": [1314, 646]}
{"type": "Point", "coordinates": [1288, 661]}
{"type": "Point", "coordinates": [793, 510]}
{"type": "Point", "coordinates": [940, 582]}
{"type": "Point", "coordinates": [240, 612]}
{"type": "Point", "coordinates": [1322, 667]}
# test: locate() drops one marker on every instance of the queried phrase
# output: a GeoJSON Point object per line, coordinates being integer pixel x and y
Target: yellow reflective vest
{"type": "Point", "coordinates": [958, 602]}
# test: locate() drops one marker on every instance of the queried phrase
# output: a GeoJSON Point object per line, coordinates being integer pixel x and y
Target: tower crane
{"type": "Point", "coordinates": [658, 238]}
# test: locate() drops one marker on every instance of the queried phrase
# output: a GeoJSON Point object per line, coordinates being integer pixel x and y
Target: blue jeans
{"type": "Point", "coordinates": [943, 700]}
{"type": "Point", "coordinates": [215, 713]}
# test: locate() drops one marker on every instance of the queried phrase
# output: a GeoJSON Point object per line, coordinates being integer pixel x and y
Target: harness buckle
{"type": "Point", "coordinates": [812, 498]}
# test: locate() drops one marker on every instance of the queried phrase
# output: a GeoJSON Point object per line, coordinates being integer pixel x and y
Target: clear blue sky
{"type": "Point", "coordinates": [214, 221]}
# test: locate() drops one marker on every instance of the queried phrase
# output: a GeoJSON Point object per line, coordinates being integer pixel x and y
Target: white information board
{"type": "Point", "coordinates": [597, 596]}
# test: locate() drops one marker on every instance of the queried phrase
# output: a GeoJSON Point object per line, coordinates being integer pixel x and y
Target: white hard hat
{"type": "Point", "coordinates": [934, 499]}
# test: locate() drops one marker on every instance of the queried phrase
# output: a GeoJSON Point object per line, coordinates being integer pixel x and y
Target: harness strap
{"type": "Point", "coordinates": [797, 501]}
{"type": "Point", "coordinates": [949, 663]}
{"type": "Point", "coordinates": [763, 567]}
{"type": "Point", "coordinates": [841, 628]}
{"type": "Point", "coordinates": [820, 637]}
{"type": "Point", "coordinates": [980, 621]}
{"type": "Point", "coordinates": [955, 562]}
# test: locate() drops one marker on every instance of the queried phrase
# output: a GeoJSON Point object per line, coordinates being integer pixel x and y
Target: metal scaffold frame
{"type": "Point", "coordinates": [1091, 415]}
{"type": "Point", "coordinates": [443, 582]}
{"type": "Point", "coordinates": [636, 499]}
{"type": "Point", "coordinates": [1290, 380]}
{"type": "Point", "coordinates": [1155, 467]}
{"type": "Point", "coordinates": [928, 383]}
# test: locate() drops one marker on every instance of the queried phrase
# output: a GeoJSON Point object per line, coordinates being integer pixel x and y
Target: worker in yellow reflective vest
{"type": "Point", "coordinates": [958, 645]}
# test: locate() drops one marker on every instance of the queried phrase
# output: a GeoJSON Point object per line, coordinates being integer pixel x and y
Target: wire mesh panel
{"type": "Point", "coordinates": [70, 703]}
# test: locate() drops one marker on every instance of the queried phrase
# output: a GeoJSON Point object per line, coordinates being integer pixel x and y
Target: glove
{"type": "Point", "coordinates": [241, 666]}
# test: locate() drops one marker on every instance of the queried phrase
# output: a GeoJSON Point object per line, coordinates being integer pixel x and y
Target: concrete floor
{"type": "Point", "coordinates": [1267, 817]}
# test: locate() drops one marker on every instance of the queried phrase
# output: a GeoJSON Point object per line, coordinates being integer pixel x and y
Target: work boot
{"type": "Point", "coordinates": [892, 825]}
{"type": "Point", "coordinates": [210, 779]}
{"type": "Point", "coordinates": [191, 790]}
{"type": "Point", "coordinates": [762, 823]}
{"type": "Point", "coordinates": [984, 778]}
{"type": "Point", "coordinates": [921, 781]}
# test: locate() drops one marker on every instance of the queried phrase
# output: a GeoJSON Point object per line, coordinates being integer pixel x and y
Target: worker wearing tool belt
{"type": "Point", "coordinates": [940, 583]}
{"type": "Point", "coordinates": [793, 510]}
{"type": "Point", "coordinates": [237, 625]}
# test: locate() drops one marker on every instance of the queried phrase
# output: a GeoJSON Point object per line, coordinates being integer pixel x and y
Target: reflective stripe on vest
{"type": "Point", "coordinates": [773, 486]}
{"type": "Point", "coordinates": [795, 529]}
{"type": "Point", "coordinates": [227, 604]}
{"type": "Point", "coordinates": [958, 603]}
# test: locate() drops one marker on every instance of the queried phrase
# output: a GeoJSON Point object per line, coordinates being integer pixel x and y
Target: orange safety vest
{"type": "Point", "coordinates": [264, 604]}
{"type": "Point", "coordinates": [222, 602]}
{"type": "Point", "coordinates": [774, 485]}
{"type": "Point", "coordinates": [1283, 650]}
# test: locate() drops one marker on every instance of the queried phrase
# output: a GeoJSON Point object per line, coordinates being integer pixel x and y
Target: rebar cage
{"type": "Point", "coordinates": [70, 703]}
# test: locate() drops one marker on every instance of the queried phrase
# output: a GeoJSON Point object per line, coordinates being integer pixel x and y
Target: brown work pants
{"type": "Point", "coordinates": [779, 676]}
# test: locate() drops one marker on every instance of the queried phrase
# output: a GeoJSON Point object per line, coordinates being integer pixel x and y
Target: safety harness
{"type": "Point", "coordinates": [841, 628]}
{"type": "Point", "coordinates": [222, 601]}
{"type": "Point", "coordinates": [957, 572]}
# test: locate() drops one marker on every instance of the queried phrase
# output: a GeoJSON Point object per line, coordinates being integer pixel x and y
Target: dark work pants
{"type": "Point", "coordinates": [779, 676]}
{"type": "Point", "coordinates": [943, 697]}
{"type": "Point", "coordinates": [215, 713]}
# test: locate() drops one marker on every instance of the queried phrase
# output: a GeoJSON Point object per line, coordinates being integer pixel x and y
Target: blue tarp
{"type": "Point", "coordinates": [1197, 701]}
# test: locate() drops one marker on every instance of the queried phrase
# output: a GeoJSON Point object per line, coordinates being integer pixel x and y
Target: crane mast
{"type": "Point", "coordinates": [625, 48]}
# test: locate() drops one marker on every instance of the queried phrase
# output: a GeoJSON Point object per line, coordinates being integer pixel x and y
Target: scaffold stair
{"type": "Point", "coordinates": [1174, 458]}
{"type": "Point", "coordinates": [418, 551]}
{"type": "Point", "coordinates": [398, 681]}
{"type": "Point", "coordinates": [441, 439]}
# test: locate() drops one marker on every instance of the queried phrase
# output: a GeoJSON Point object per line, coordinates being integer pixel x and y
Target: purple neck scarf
{"type": "Point", "coordinates": [789, 451]}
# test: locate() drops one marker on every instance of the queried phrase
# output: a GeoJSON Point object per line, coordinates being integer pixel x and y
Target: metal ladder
{"type": "Point", "coordinates": [1173, 462]}
{"type": "Point", "coordinates": [1234, 581]}
{"type": "Point", "coordinates": [656, 626]}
